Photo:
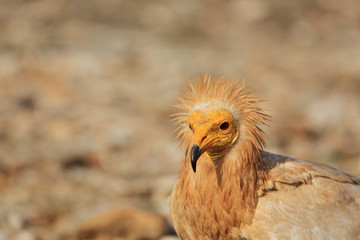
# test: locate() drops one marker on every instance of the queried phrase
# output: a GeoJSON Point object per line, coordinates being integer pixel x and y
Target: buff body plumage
{"type": "Point", "coordinates": [240, 191]}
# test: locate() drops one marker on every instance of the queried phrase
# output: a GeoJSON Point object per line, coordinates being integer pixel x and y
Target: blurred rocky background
{"type": "Point", "coordinates": [86, 87]}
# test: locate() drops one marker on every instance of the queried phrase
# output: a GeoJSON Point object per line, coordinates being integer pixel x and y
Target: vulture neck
{"type": "Point", "coordinates": [229, 184]}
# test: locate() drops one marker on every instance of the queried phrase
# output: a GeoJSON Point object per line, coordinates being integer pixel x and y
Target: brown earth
{"type": "Point", "coordinates": [86, 87]}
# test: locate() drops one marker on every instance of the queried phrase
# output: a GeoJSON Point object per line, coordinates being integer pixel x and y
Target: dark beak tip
{"type": "Point", "coordinates": [193, 165]}
{"type": "Point", "coordinates": [196, 152]}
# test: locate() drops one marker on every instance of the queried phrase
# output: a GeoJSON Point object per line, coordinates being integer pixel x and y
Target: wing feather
{"type": "Point", "coordinates": [286, 173]}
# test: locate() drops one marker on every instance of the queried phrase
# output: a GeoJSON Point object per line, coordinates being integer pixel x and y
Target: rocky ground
{"type": "Point", "coordinates": [86, 87]}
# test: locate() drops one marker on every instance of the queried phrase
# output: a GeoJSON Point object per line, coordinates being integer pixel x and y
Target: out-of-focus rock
{"type": "Point", "coordinates": [25, 235]}
{"type": "Point", "coordinates": [80, 161]}
{"type": "Point", "coordinates": [120, 222]}
{"type": "Point", "coordinates": [3, 236]}
{"type": "Point", "coordinates": [168, 237]}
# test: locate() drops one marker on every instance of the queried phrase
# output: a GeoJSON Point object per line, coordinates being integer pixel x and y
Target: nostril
{"type": "Point", "coordinates": [203, 139]}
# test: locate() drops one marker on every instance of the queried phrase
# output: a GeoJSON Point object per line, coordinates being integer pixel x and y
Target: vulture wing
{"type": "Point", "coordinates": [302, 199]}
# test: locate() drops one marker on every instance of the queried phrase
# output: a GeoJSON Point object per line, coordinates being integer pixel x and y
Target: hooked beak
{"type": "Point", "coordinates": [195, 153]}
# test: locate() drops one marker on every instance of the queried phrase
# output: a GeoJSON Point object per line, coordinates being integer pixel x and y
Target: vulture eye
{"type": "Point", "coordinates": [190, 127]}
{"type": "Point", "coordinates": [224, 126]}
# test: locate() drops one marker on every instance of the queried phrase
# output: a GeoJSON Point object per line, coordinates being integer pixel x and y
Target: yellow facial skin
{"type": "Point", "coordinates": [213, 131]}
